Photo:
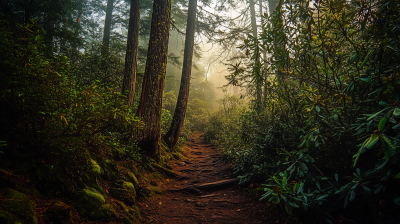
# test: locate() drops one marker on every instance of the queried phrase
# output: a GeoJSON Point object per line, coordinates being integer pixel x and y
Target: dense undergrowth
{"type": "Point", "coordinates": [325, 137]}
{"type": "Point", "coordinates": [69, 137]}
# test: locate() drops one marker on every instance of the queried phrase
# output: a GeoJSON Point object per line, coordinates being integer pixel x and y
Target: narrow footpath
{"type": "Point", "coordinates": [231, 204]}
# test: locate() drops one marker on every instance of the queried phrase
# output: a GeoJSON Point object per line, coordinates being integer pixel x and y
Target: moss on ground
{"type": "Point", "coordinates": [132, 178]}
{"type": "Point", "coordinates": [91, 203]}
{"type": "Point", "coordinates": [129, 214]}
{"type": "Point", "coordinates": [124, 192]}
{"type": "Point", "coordinates": [17, 208]}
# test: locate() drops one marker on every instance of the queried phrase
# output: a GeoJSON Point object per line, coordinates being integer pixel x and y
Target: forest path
{"type": "Point", "coordinates": [202, 164]}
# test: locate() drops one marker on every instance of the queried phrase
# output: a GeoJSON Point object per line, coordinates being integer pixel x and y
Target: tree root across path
{"type": "Point", "coordinates": [208, 186]}
{"type": "Point", "coordinates": [203, 189]}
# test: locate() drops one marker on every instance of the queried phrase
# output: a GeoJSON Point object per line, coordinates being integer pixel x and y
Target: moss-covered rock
{"type": "Point", "coordinates": [156, 190]}
{"type": "Point", "coordinates": [132, 178]}
{"type": "Point", "coordinates": [95, 168]}
{"type": "Point", "coordinates": [91, 203]}
{"type": "Point", "coordinates": [124, 192]}
{"type": "Point", "coordinates": [129, 214]}
{"type": "Point", "coordinates": [58, 213]}
{"type": "Point", "coordinates": [17, 208]}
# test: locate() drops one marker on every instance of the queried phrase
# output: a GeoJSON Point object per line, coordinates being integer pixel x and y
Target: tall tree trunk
{"type": "Point", "coordinates": [172, 136]}
{"type": "Point", "coordinates": [272, 6]}
{"type": "Point", "coordinates": [132, 46]}
{"type": "Point", "coordinates": [262, 23]}
{"type": "Point", "coordinates": [264, 76]}
{"type": "Point", "coordinates": [235, 61]}
{"type": "Point", "coordinates": [80, 11]}
{"type": "Point", "coordinates": [150, 105]}
{"type": "Point", "coordinates": [256, 70]}
{"type": "Point", "coordinates": [107, 24]}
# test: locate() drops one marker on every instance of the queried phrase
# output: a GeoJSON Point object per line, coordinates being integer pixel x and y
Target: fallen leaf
{"type": "Point", "coordinates": [238, 210]}
{"type": "Point", "coordinates": [251, 185]}
{"type": "Point", "coordinates": [277, 221]}
{"type": "Point", "coordinates": [160, 203]}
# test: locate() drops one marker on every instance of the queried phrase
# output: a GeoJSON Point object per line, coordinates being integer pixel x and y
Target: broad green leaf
{"type": "Point", "coordinates": [367, 190]}
{"type": "Point", "coordinates": [336, 177]}
{"type": "Point", "coordinates": [388, 141]}
{"type": "Point", "coordinates": [293, 204]}
{"type": "Point", "coordinates": [368, 80]}
{"type": "Point", "coordinates": [276, 180]}
{"type": "Point", "coordinates": [382, 123]}
{"type": "Point", "coordinates": [397, 176]}
{"type": "Point", "coordinates": [376, 114]}
{"type": "Point", "coordinates": [284, 181]}
{"type": "Point", "coordinates": [352, 195]}
{"type": "Point", "coordinates": [318, 185]}
{"type": "Point", "coordinates": [322, 197]}
{"type": "Point", "coordinates": [300, 190]}
{"type": "Point", "coordinates": [317, 108]}
{"type": "Point", "coordinates": [296, 187]}
{"type": "Point", "coordinates": [396, 112]}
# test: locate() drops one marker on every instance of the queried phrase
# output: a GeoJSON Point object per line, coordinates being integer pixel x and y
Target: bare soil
{"type": "Point", "coordinates": [232, 204]}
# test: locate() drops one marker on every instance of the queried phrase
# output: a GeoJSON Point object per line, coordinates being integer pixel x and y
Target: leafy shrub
{"type": "Point", "coordinates": [47, 113]}
{"type": "Point", "coordinates": [334, 97]}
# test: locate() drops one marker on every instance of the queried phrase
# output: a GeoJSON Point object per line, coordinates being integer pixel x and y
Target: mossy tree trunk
{"type": "Point", "coordinates": [107, 24]}
{"type": "Point", "coordinates": [132, 46]}
{"type": "Point", "coordinates": [150, 105]}
{"type": "Point", "coordinates": [172, 136]}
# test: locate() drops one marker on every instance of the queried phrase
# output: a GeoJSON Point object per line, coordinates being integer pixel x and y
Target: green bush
{"type": "Point", "coordinates": [326, 135]}
{"type": "Point", "coordinates": [46, 112]}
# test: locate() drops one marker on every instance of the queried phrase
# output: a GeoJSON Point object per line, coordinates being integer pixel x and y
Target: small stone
{"type": "Point", "coordinates": [200, 204]}
{"type": "Point", "coordinates": [189, 200]}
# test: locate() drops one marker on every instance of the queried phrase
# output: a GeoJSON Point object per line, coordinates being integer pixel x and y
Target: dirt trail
{"type": "Point", "coordinates": [228, 205]}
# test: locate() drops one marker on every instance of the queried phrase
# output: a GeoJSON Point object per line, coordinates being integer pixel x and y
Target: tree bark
{"type": "Point", "coordinates": [107, 24]}
{"type": "Point", "coordinates": [256, 69]}
{"type": "Point", "coordinates": [264, 76]}
{"type": "Point", "coordinates": [172, 136]}
{"type": "Point", "coordinates": [132, 46]}
{"type": "Point", "coordinates": [150, 105]}
{"type": "Point", "coordinates": [80, 11]}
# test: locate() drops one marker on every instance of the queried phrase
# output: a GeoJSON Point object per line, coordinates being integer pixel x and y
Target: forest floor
{"type": "Point", "coordinates": [202, 164]}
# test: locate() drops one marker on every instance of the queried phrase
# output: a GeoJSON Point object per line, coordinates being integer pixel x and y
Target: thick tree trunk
{"type": "Point", "coordinates": [256, 70]}
{"type": "Point", "coordinates": [150, 105]}
{"type": "Point", "coordinates": [132, 46]}
{"type": "Point", "coordinates": [107, 24]}
{"type": "Point", "coordinates": [172, 136]}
